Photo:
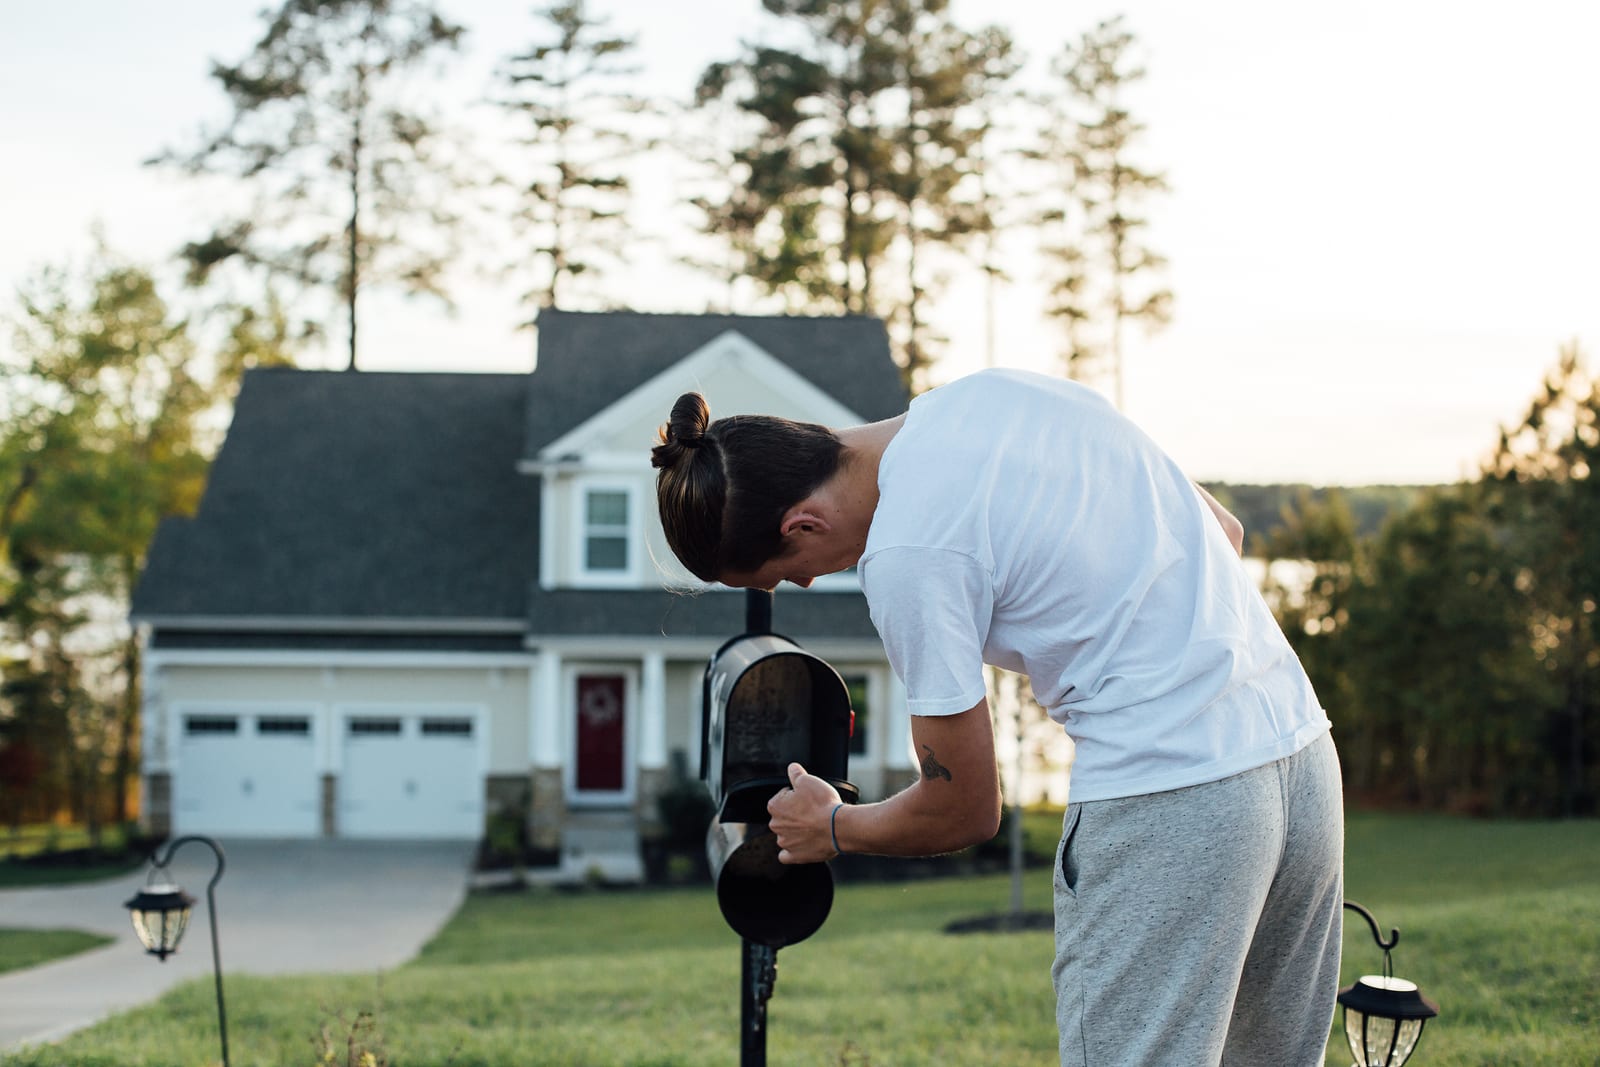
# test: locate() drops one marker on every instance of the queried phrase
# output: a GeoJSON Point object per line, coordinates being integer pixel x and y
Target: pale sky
{"type": "Point", "coordinates": [1382, 225]}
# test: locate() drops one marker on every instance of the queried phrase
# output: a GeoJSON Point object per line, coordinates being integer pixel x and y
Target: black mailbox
{"type": "Point", "coordinates": [769, 703]}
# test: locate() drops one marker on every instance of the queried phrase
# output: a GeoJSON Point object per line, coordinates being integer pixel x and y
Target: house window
{"type": "Point", "coordinates": [211, 724]}
{"type": "Point", "coordinates": [385, 727]}
{"type": "Point", "coordinates": [605, 531]}
{"type": "Point", "coordinates": [446, 727]}
{"type": "Point", "coordinates": [297, 725]}
{"type": "Point", "coordinates": [856, 684]}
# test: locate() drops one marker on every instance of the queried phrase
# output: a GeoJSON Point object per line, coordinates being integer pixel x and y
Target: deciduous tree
{"type": "Point", "coordinates": [1455, 649]}
{"type": "Point", "coordinates": [1543, 486]}
{"type": "Point", "coordinates": [103, 402]}
{"type": "Point", "coordinates": [1444, 684]}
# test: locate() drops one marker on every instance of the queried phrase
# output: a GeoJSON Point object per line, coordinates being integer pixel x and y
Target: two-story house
{"type": "Point", "coordinates": [410, 600]}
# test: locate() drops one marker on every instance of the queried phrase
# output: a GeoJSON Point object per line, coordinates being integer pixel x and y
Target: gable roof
{"type": "Point", "coordinates": [373, 503]}
{"type": "Point", "coordinates": [713, 614]}
{"type": "Point", "coordinates": [386, 498]}
{"type": "Point", "coordinates": [589, 359]}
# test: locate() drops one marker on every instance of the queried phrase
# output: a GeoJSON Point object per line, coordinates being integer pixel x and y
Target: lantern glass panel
{"type": "Point", "coordinates": [160, 930]}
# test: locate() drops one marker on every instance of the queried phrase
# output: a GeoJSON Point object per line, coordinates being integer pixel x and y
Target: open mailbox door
{"type": "Point", "coordinates": [769, 703]}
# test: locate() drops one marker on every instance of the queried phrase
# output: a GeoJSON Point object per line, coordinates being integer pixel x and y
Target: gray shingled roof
{"type": "Point", "coordinates": [363, 497]}
{"type": "Point", "coordinates": [588, 360]}
{"type": "Point", "coordinates": [718, 614]}
{"type": "Point", "coordinates": [358, 495]}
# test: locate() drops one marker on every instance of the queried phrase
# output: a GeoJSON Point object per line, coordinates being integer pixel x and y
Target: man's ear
{"type": "Point", "coordinates": [804, 518]}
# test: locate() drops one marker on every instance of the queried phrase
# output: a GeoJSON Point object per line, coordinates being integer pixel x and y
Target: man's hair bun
{"type": "Point", "coordinates": [684, 430]}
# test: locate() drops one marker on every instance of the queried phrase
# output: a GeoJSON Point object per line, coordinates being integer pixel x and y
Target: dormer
{"type": "Point", "coordinates": [598, 524]}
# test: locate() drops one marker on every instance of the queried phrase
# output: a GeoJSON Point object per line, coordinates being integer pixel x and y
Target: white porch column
{"type": "Point", "coordinates": [153, 724]}
{"type": "Point", "coordinates": [653, 712]}
{"type": "Point", "coordinates": [547, 814]}
{"type": "Point", "coordinates": [544, 711]}
{"type": "Point", "coordinates": [697, 711]}
{"type": "Point", "coordinates": [159, 733]}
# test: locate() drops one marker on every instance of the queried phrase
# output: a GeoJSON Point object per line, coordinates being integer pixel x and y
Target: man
{"type": "Point", "coordinates": [1019, 521]}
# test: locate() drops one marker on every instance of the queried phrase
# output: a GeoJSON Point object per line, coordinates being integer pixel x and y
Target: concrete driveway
{"type": "Point", "coordinates": [283, 907]}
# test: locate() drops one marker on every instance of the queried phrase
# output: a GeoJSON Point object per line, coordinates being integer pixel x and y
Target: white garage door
{"type": "Point", "coordinates": [413, 775]}
{"type": "Point", "coordinates": [246, 774]}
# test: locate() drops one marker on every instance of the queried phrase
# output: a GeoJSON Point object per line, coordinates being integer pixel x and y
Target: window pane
{"type": "Point", "coordinates": [608, 508]}
{"type": "Point", "coordinates": [375, 727]}
{"type": "Point", "coordinates": [211, 724]}
{"type": "Point", "coordinates": [857, 686]}
{"type": "Point", "coordinates": [284, 724]}
{"type": "Point", "coordinates": [606, 554]}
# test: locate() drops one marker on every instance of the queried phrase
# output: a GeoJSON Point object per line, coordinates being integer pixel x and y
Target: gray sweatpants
{"type": "Point", "coordinates": [1202, 926]}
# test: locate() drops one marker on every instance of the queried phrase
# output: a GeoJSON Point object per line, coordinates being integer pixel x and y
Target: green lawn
{"type": "Point", "coordinates": [1500, 924]}
{"type": "Point", "coordinates": [29, 948]}
{"type": "Point", "coordinates": [46, 854]}
{"type": "Point", "coordinates": [31, 839]}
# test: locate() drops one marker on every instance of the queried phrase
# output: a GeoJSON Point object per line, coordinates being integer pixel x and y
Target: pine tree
{"type": "Point", "coordinates": [986, 218]}
{"type": "Point", "coordinates": [1104, 266]}
{"type": "Point", "coordinates": [857, 156]}
{"type": "Point", "coordinates": [568, 91]}
{"type": "Point", "coordinates": [948, 75]}
{"type": "Point", "coordinates": [349, 188]}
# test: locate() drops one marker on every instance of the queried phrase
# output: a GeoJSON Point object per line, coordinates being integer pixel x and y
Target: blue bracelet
{"type": "Point", "coordinates": [833, 831]}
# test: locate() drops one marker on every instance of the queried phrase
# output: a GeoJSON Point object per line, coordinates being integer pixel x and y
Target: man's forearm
{"type": "Point", "coordinates": [935, 815]}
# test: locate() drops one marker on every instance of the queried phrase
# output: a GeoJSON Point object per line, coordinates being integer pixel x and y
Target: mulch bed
{"type": "Point", "coordinates": [1003, 923]}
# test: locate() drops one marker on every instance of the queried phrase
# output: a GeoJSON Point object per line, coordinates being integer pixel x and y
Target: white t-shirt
{"type": "Point", "coordinates": [1023, 522]}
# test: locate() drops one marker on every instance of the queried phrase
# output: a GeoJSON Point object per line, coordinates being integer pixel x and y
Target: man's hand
{"type": "Point", "coordinates": [800, 816]}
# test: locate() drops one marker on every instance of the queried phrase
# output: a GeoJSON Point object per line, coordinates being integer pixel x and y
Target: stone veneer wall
{"type": "Point", "coordinates": [547, 814]}
{"type": "Point", "coordinates": [653, 781]}
{"type": "Point", "coordinates": [155, 815]}
{"type": "Point", "coordinates": [330, 805]}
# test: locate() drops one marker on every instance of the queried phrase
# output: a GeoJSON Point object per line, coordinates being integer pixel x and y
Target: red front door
{"type": "Point", "coordinates": [600, 732]}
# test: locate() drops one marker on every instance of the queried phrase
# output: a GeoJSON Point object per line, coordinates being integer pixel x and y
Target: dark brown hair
{"type": "Point", "coordinates": [723, 487]}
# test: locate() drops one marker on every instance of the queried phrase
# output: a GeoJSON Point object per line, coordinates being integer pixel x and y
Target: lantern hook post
{"type": "Point", "coordinates": [1397, 1002]}
{"type": "Point", "coordinates": [211, 914]}
{"type": "Point", "coordinates": [1386, 946]}
{"type": "Point", "coordinates": [758, 963]}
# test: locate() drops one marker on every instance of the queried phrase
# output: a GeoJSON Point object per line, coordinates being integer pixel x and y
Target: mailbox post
{"type": "Point", "coordinates": [767, 703]}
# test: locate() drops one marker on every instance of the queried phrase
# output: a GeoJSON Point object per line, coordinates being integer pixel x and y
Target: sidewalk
{"type": "Point", "coordinates": [283, 907]}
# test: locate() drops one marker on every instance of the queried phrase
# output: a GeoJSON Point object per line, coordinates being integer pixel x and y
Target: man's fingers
{"type": "Point", "coordinates": [796, 772]}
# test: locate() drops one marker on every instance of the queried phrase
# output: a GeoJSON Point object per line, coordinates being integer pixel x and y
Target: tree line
{"type": "Point", "coordinates": [850, 161]}
{"type": "Point", "coordinates": [1455, 648]}
{"type": "Point", "coordinates": [1264, 509]}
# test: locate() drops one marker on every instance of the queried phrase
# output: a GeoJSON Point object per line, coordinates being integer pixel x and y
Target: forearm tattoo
{"type": "Point", "coordinates": [932, 768]}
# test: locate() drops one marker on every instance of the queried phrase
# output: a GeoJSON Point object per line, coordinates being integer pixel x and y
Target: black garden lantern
{"type": "Point", "coordinates": [160, 913]}
{"type": "Point", "coordinates": [1383, 1015]}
